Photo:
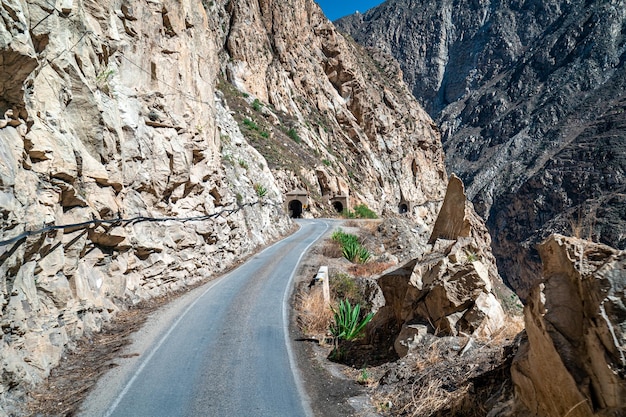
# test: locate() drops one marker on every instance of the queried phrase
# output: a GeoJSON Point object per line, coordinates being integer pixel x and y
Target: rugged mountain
{"type": "Point", "coordinates": [530, 97]}
{"type": "Point", "coordinates": [133, 122]}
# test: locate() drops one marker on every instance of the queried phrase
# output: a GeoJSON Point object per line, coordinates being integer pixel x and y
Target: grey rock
{"type": "Point", "coordinates": [530, 99]}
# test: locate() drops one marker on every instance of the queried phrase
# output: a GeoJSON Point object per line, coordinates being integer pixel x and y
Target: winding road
{"type": "Point", "coordinates": [222, 350]}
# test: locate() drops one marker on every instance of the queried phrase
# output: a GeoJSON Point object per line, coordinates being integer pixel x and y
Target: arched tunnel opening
{"type": "Point", "coordinates": [338, 206]}
{"type": "Point", "coordinates": [295, 209]}
{"type": "Point", "coordinates": [403, 208]}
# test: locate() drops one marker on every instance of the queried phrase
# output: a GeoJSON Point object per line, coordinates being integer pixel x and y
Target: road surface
{"type": "Point", "coordinates": [222, 350]}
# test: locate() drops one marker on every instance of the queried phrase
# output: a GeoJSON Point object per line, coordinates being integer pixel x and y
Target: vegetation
{"type": "Point", "coordinates": [348, 325]}
{"type": "Point", "coordinates": [250, 124]}
{"type": "Point", "coordinates": [360, 212]}
{"type": "Point", "coordinates": [351, 247]}
{"type": "Point", "coordinates": [293, 134]}
{"type": "Point", "coordinates": [471, 256]}
{"type": "Point", "coordinates": [261, 191]}
{"type": "Point", "coordinates": [257, 105]}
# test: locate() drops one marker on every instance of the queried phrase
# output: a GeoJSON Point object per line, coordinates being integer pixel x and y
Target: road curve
{"type": "Point", "coordinates": [224, 352]}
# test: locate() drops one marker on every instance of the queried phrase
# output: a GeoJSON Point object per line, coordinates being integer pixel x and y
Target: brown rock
{"type": "Point", "coordinates": [452, 221]}
{"type": "Point", "coordinates": [573, 361]}
{"type": "Point", "coordinates": [449, 287]}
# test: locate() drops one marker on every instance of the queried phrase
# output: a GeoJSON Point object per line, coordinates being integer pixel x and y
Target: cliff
{"type": "Point", "coordinates": [530, 98]}
{"type": "Point", "coordinates": [133, 123]}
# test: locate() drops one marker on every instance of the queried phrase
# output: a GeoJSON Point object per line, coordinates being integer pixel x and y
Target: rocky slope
{"type": "Point", "coordinates": [530, 97]}
{"type": "Point", "coordinates": [127, 110]}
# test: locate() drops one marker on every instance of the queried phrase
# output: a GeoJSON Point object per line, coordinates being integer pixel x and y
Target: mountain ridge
{"type": "Point", "coordinates": [528, 97]}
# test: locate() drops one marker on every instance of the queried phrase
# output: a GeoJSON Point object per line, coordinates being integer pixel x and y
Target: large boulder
{"type": "Point", "coordinates": [573, 361]}
{"type": "Point", "coordinates": [450, 288]}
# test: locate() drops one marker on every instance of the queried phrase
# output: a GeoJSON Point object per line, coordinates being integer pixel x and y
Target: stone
{"type": "Point", "coordinates": [449, 287]}
{"type": "Point", "coordinates": [452, 222]}
{"type": "Point", "coordinates": [574, 357]}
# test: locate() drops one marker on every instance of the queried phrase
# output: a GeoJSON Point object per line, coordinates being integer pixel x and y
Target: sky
{"type": "Point", "coordinates": [334, 9]}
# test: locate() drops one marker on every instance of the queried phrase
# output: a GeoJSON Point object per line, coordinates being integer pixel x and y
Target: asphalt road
{"type": "Point", "coordinates": [222, 351]}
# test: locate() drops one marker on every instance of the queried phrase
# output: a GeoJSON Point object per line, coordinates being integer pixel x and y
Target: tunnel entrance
{"type": "Point", "coordinates": [403, 208]}
{"type": "Point", "coordinates": [338, 206]}
{"type": "Point", "coordinates": [295, 209]}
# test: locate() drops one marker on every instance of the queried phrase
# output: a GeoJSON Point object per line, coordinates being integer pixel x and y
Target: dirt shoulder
{"type": "Point", "coordinates": [334, 389]}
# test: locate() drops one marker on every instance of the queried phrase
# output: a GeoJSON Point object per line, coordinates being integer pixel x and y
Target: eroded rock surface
{"type": "Point", "coordinates": [573, 361]}
{"type": "Point", "coordinates": [449, 290]}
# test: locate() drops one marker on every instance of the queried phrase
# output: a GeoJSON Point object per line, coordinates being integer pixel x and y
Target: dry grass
{"type": "Point", "coordinates": [427, 398]}
{"type": "Point", "coordinates": [369, 269]}
{"type": "Point", "coordinates": [314, 315]}
{"type": "Point", "coordinates": [583, 226]}
{"type": "Point", "coordinates": [513, 325]}
{"type": "Point", "coordinates": [428, 360]}
{"type": "Point", "coordinates": [369, 226]}
{"type": "Point", "coordinates": [332, 249]}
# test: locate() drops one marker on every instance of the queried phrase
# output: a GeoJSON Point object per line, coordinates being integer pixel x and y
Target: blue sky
{"type": "Point", "coordinates": [334, 9]}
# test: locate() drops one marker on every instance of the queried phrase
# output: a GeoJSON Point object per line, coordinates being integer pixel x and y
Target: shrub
{"type": "Point", "coordinates": [294, 135]}
{"type": "Point", "coordinates": [363, 212]}
{"type": "Point", "coordinates": [261, 191]}
{"type": "Point", "coordinates": [257, 105]}
{"type": "Point", "coordinates": [343, 286]}
{"type": "Point", "coordinates": [250, 124]}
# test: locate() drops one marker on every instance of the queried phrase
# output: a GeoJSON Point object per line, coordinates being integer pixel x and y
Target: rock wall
{"type": "Point", "coordinates": [573, 360]}
{"type": "Point", "coordinates": [112, 112]}
{"type": "Point", "coordinates": [530, 98]}
{"type": "Point", "coordinates": [366, 135]}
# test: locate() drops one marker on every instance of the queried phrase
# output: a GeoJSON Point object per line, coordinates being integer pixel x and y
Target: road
{"type": "Point", "coordinates": [221, 351]}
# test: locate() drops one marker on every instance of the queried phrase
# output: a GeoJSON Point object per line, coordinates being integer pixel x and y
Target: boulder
{"type": "Point", "coordinates": [573, 360]}
{"type": "Point", "coordinates": [449, 288]}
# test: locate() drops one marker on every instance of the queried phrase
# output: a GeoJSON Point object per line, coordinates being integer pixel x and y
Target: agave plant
{"type": "Point", "coordinates": [347, 325]}
{"type": "Point", "coordinates": [350, 250]}
{"type": "Point", "coordinates": [363, 254]}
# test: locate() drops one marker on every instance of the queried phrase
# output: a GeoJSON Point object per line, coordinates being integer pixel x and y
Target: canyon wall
{"type": "Point", "coordinates": [530, 97]}
{"type": "Point", "coordinates": [134, 123]}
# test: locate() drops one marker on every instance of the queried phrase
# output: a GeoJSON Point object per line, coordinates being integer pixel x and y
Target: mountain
{"type": "Point", "coordinates": [530, 98]}
{"type": "Point", "coordinates": [149, 146]}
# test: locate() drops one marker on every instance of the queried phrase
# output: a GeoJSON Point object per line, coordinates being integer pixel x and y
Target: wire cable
{"type": "Point", "coordinates": [132, 221]}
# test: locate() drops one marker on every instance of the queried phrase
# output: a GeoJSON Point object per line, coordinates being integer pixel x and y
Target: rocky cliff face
{"type": "Point", "coordinates": [112, 112]}
{"type": "Point", "coordinates": [364, 134]}
{"type": "Point", "coordinates": [530, 97]}
{"type": "Point", "coordinates": [575, 334]}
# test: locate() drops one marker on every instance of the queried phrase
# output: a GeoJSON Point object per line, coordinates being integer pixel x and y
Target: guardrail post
{"type": "Point", "coordinates": [322, 276]}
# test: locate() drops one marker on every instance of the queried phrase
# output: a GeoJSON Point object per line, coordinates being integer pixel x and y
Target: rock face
{"type": "Point", "coordinates": [574, 359]}
{"type": "Point", "coordinates": [366, 135]}
{"type": "Point", "coordinates": [530, 98]}
{"type": "Point", "coordinates": [449, 290]}
{"type": "Point", "coordinates": [112, 112]}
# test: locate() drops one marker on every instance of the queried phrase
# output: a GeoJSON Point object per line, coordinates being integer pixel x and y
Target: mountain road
{"type": "Point", "coordinates": [221, 350]}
